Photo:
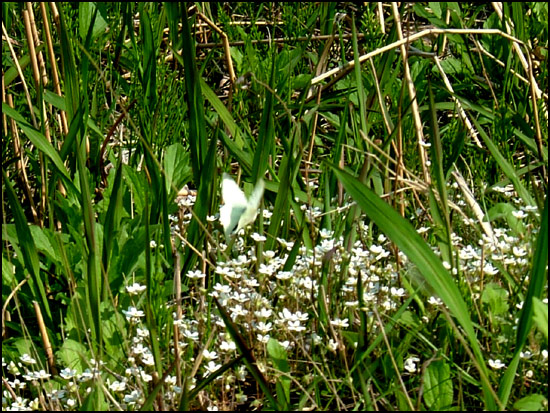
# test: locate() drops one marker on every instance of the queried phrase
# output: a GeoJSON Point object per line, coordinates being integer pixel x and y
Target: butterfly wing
{"type": "Point", "coordinates": [252, 205]}
{"type": "Point", "coordinates": [234, 206]}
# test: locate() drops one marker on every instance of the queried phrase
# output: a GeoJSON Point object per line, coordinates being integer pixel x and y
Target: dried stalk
{"type": "Point", "coordinates": [412, 93]}
{"type": "Point", "coordinates": [348, 66]}
{"type": "Point", "coordinates": [461, 111]}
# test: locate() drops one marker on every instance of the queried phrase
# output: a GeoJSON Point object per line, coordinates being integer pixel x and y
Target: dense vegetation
{"type": "Point", "coordinates": [399, 259]}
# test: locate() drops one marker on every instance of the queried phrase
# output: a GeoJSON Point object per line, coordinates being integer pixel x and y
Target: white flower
{"type": "Point", "coordinates": [496, 364]}
{"type": "Point", "coordinates": [340, 323]}
{"type": "Point", "coordinates": [519, 214]}
{"type": "Point", "coordinates": [193, 335]}
{"type": "Point", "coordinates": [263, 313]}
{"type": "Point", "coordinates": [195, 274]}
{"type": "Point", "coordinates": [525, 354]}
{"type": "Point", "coordinates": [228, 346]}
{"type": "Point", "coordinates": [209, 355]}
{"type": "Point", "coordinates": [258, 238]}
{"type": "Point", "coordinates": [133, 397]}
{"type": "Point", "coordinates": [489, 269]}
{"type": "Point", "coordinates": [145, 377]}
{"type": "Point", "coordinates": [264, 328]}
{"type": "Point", "coordinates": [211, 367]}
{"type": "Point", "coordinates": [238, 310]}
{"type": "Point", "coordinates": [519, 252]}
{"type": "Point", "coordinates": [295, 326]}
{"type": "Point", "coordinates": [25, 358]}
{"type": "Point", "coordinates": [397, 292]}
{"type": "Point", "coordinates": [133, 314]}
{"type": "Point", "coordinates": [117, 386]}
{"type": "Point", "coordinates": [434, 301]}
{"type": "Point", "coordinates": [135, 288]}
{"type": "Point", "coordinates": [410, 364]}
{"type": "Point", "coordinates": [67, 373]}
{"type": "Point", "coordinates": [284, 275]}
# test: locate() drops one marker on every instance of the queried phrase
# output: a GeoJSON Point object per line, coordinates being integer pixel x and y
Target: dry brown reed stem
{"type": "Point", "coordinates": [36, 77]}
{"type": "Point", "coordinates": [538, 132]}
{"type": "Point", "coordinates": [45, 338]}
{"type": "Point", "coordinates": [21, 76]}
{"type": "Point", "coordinates": [55, 75]}
{"type": "Point", "coordinates": [55, 15]}
{"type": "Point", "coordinates": [5, 315]}
{"type": "Point", "coordinates": [381, 17]}
{"type": "Point", "coordinates": [36, 39]}
{"type": "Point", "coordinates": [346, 68]}
{"type": "Point", "coordinates": [320, 37]}
{"type": "Point", "coordinates": [412, 182]}
{"type": "Point", "coordinates": [225, 42]}
{"type": "Point", "coordinates": [471, 201]}
{"type": "Point", "coordinates": [20, 164]}
{"type": "Point", "coordinates": [512, 71]}
{"type": "Point", "coordinates": [32, 50]}
{"type": "Point", "coordinates": [412, 94]}
{"type": "Point", "coordinates": [461, 111]}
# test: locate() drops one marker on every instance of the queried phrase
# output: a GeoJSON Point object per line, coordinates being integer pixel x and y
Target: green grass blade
{"type": "Point", "coordinates": [266, 134]}
{"type": "Point", "coordinates": [508, 169]}
{"type": "Point", "coordinates": [223, 113]}
{"type": "Point", "coordinates": [28, 248]}
{"type": "Point", "coordinates": [249, 359]}
{"type": "Point", "coordinates": [197, 123]}
{"type": "Point", "coordinates": [401, 232]}
{"type": "Point", "coordinates": [537, 280]}
{"type": "Point", "coordinates": [195, 232]}
{"type": "Point", "coordinates": [37, 139]}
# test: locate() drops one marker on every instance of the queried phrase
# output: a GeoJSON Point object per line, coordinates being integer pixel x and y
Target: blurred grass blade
{"type": "Point", "coordinates": [266, 134]}
{"type": "Point", "coordinates": [508, 169]}
{"type": "Point", "coordinates": [401, 232]}
{"type": "Point", "coordinates": [111, 225]}
{"type": "Point", "coordinates": [287, 173]}
{"type": "Point", "coordinates": [197, 123]}
{"type": "Point", "coordinates": [30, 254]}
{"type": "Point", "coordinates": [537, 280]}
{"type": "Point", "coordinates": [249, 359]}
{"type": "Point", "coordinates": [37, 139]}
{"type": "Point", "coordinates": [207, 189]}
{"type": "Point", "coordinates": [445, 244]}
{"type": "Point", "coordinates": [223, 113]}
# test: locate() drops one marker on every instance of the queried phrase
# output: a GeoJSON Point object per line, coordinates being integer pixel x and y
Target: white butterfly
{"type": "Point", "coordinates": [237, 212]}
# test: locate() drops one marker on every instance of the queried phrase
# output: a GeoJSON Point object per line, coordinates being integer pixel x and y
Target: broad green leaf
{"type": "Point", "coordinates": [496, 298]}
{"type": "Point", "coordinates": [540, 316]}
{"type": "Point", "coordinates": [438, 386]}
{"type": "Point", "coordinates": [532, 403]}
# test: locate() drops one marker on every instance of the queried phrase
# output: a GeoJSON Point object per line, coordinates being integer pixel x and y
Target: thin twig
{"type": "Point", "coordinates": [348, 66]}
{"type": "Point", "coordinates": [390, 353]}
{"type": "Point", "coordinates": [226, 46]}
{"type": "Point", "coordinates": [279, 40]}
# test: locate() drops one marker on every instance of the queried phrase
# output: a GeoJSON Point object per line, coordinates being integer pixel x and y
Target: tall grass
{"type": "Point", "coordinates": [399, 260]}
